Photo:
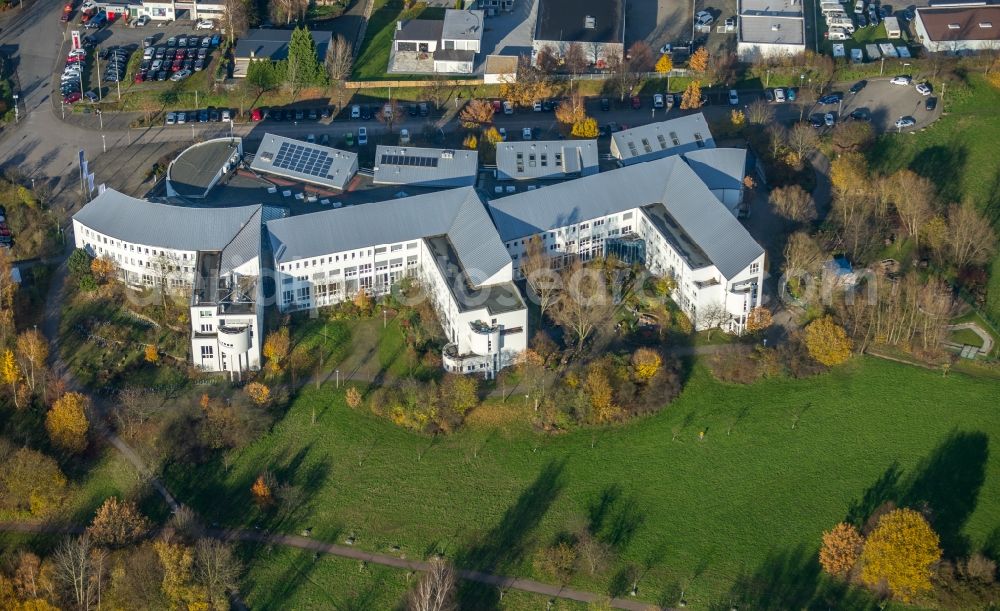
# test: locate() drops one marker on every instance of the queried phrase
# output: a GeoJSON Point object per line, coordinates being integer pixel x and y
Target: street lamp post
{"type": "Point", "coordinates": [767, 78]}
{"type": "Point", "coordinates": [104, 143]}
{"type": "Point", "coordinates": [338, 378]}
{"type": "Point", "coordinates": [881, 68]}
{"type": "Point", "coordinates": [17, 114]}
{"type": "Point", "coordinates": [100, 117]}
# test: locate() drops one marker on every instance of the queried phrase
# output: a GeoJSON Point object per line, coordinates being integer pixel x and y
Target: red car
{"type": "Point", "coordinates": [497, 105]}
{"type": "Point", "coordinates": [74, 59]}
{"type": "Point", "coordinates": [178, 64]}
{"type": "Point", "coordinates": [140, 76]}
{"type": "Point", "coordinates": [636, 102]}
{"type": "Point", "coordinates": [73, 97]}
{"type": "Point", "coordinates": [256, 114]}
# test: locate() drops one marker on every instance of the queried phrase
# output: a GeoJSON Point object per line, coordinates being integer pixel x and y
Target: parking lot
{"type": "Point", "coordinates": [885, 103]}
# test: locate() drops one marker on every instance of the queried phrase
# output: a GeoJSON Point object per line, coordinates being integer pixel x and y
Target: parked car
{"type": "Point", "coordinates": [355, 111]}
{"type": "Point", "coordinates": [324, 140]}
{"type": "Point", "coordinates": [861, 114]}
{"type": "Point", "coordinates": [930, 104]}
{"type": "Point", "coordinates": [816, 121]}
{"type": "Point", "coordinates": [171, 118]}
{"type": "Point", "coordinates": [313, 114]}
{"type": "Point", "coordinates": [424, 109]}
{"type": "Point", "coordinates": [923, 89]}
{"type": "Point", "coordinates": [147, 42]}
{"type": "Point", "coordinates": [830, 98]}
{"type": "Point", "coordinates": [73, 97]}
{"type": "Point", "coordinates": [206, 42]}
{"type": "Point", "coordinates": [548, 105]}
{"type": "Point", "coordinates": [508, 108]}
{"type": "Point", "coordinates": [255, 114]}
{"type": "Point", "coordinates": [181, 118]}
{"type": "Point", "coordinates": [404, 136]}
{"type": "Point", "coordinates": [769, 95]}
{"type": "Point", "coordinates": [605, 104]}
{"type": "Point", "coordinates": [536, 106]}
{"type": "Point", "coordinates": [658, 100]}
{"type": "Point", "coordinates": [905, 122]}
{"type": "Point", "coordinates": [324, 113]}
{"type": "Point", "coordinates": [349, 139]}
{"type": "Point", "coordinates": [900, 80]}
{"type": "Point", "coordinates": [311, 138]}
{"type": "Point", "coordinates": [503, 133]}
{"type": "Point", "coordinates": [526, 133]}
{"type": "Point", "coordinates": [703, 19]}
{"type": "Point", "coordinates": [362, 136]}
{"type": "Point", "coordinates": [790, 94]}
{"type": "Point", "coordinates": [203, 116]}
{"type": "Point", "coordinates": [857, 87]}
{"type": "Point", "coordinates": [734, 98]}
{"type": "Point", "coordinates": [216, 39]}
{"type": "Point", "coordinates": [412, 109]}
{"type": "Point", "coordinates": [213, 115]}
{"type": "Point", "coordinates": [182, 41]}
{"type": "Point", "coordinates": [829, 120]}
{"type": "Point", "coordinates": [142, 21]}
{"type": "Point", "coordinates": [366, 113]}
{"type": "Point", "coordinates": [199, 65]}
{"type": "Point", "coordinates": [172, 42]}
{"type": "Point", "coordinates": [205, 24]}
{"type": "Point", "coordinates": [180, 75]}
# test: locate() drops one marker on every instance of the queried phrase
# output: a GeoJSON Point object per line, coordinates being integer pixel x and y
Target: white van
{"type": "Point", "coordinates": [831, 7]}
{"type": "Point", "coordinates": [844, 23]}
{"type": "Point", "coordinates": [837, 34]}
{"type": "Point", "coordinates": [859, 7]}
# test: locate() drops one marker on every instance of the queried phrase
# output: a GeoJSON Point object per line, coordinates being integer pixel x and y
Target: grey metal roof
{"type": "Point", "coordinates": [565, 20]}
{"type": "Point", "coordinates": [791, 8]}
{"type": "Point", "coordinates": [668, 181]}
{"type": "Point", "coordinates": [458, 213]}
{"type": "Point", "coordinates": [575, 156]}
{"type": "Point", "coordinates": [418, 29]}
{"type": "Point", "coordinates": [340, 172]}
{"type": "Point", "coordinates": [722, 168]}
{"type": "Point", "coordinates": [657, 140]}
{"type": "Point", "coordinates": [273, 44]}
{"type": "Point", "coordinates": [462, 25]}
{"type": "Point", "coordinates": [175, 227]}
{"type": "Point", "coordinates": [454, 55]}
{"type": "Point", "coordinates": [245, 245]}
{"type": "Point", "coordinates": [437, 167]}
{"type": "Point", "coordinates": [191, 173]}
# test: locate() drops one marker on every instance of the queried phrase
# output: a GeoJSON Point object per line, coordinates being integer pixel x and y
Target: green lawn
{"type": "Point", "coordinates": [373, 58]}
{"type": "Point", "coordinates": [958, 154]}
{"type": "Point", "coordinates": [736, 516]}
{"type": "Point", "coordinates": [966, 337]}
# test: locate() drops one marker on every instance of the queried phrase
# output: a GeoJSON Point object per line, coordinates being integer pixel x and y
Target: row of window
{"type": "Point", "coordinates": [336, 258]}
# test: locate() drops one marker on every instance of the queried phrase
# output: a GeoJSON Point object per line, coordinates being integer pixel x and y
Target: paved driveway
{"type": "Point", "coordinates": [658, 22]}
{"type": "Point", "coordinates": [509, 33]}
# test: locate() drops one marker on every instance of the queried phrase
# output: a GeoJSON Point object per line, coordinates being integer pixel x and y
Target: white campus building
{"type": "Point", "coordinates": [658, 213]}
{"type": "Point", "coordinates": [444, 239]}
{"type": "Point", "coordinates": [209, 254]}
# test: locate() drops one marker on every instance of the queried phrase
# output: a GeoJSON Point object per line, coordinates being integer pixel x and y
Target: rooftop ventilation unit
{"type": "Point", "coordinates": [775, 27]}
{"type": "Point", "coordinates": [986, 24]}
{"type": "Point", "coordinates": [953, 26]}
{"type": "Point", "coordinates": [589, 22]}
{"type": "Point", "coordinates": [447, 154]}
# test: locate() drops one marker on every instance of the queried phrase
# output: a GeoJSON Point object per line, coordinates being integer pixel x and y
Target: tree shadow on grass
{"type": "Point", "coordinates": [505, 546]}
{"type": "Point", "coordinates": [945, 486]}
{"type": "Point", "coordinates": [947, 483]}
{"type": "Point", "coordinates": [792, 579]}
{"type": "Point", "coordinates": [944, 166]}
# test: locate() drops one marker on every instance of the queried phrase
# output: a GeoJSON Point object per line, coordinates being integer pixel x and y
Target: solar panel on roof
{"type": "Point", "coordinates": [303, 160]}
{"type": "Point", "coordinates": [410, 160]}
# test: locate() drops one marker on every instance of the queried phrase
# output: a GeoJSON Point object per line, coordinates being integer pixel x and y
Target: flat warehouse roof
{"type": "Point", "coordinates": [581, 20]}
{"type": "Point", "coordinates": [547, 158]}
{"type": "Point", "coordinates": [769, 29]}
{"type": "Point", "coordinates": [194, 170]}
{"type": "Point", "coordinates": [298, 160]}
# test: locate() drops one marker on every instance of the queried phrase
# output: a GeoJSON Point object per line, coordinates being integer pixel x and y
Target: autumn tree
{"type": "Point", "coordinates": [794, 203]}
{"type": "Point", "coordinates": [848, 173]}
{"type": "Point", "coordinates": [852, 135]}
{"type": "Point", "coordinates": [827, 342]}
{"type": "Point", "coordinates": [971, 240]}
{"type": "Point", "coordinates": [575, 59]}
{"type": "Point", "coordinates": [492, 135]}
{"type": "Point", "coordinates": [803, 141]}
{"type": "Point", "coordinates": [339, 58]}
{"type": "Point", "coordinates": [557, 561]}
{"type": "Point", "coordinates": [67, 422]}
{"type": "Point", "coordinates": [178, 582]}
{"type": "Point", "coordinates": [259, 393]}
{"type": "Point", "coordinates": [135, 406]}
{"type": "Point", "coordinates": [435, 591]}
{"type": "Point", "coordinates": [542, 280]}
{"type": "Point", "coordinates": [646, 363]}
{"type": "Point", "coordinates": [217, 571]}
{"type": "Point", "coordinates": [530, 85]}
{"type": "Point", "coordinates": [640, 57]}
{"type": "Point", "coordinates": [698, 61]}
{"type": "Point", "coordinates": [75, 571]}
{"type": "Point", "coordinates": [117, 523]}
{"type": "Point", "coordinates": [275, 350]}
{"type": "Point", "coordinates": [459, 393]}
{"type": "Point", "coordinates": [30, 482]}
{"type": "Point", "coordinates": [103, 268]}
{"type": "Point", "coordinates": [151, 354]}
{"type": "Point", "coordinates": [737, 117]}
{"type": "Point", "coordinates": [584, 304]}
{"type": "Point", "coordinates": [235, 18]}
{"type": "Point", "coordinates": [263, 488]}
{"type": "Point", "coordinates": [758, 319]}
{"type": "Point", "coordinates": [900, 554]}
{"type": "Point", "coordinates": [692, 96]}
{"type": "Point", "coordinates": [353, 397]}
{"type": "Point", "coordinates": [665, 64]}
{"type": "Point", "coordinates": [760, 112]}
{"type": "Point", "coordinates": [11, 374]}
{"type": "Point", "coordinates": [841, 549]}
{"type": "Point", "coordinates": [33, 350]}
{"type": "Point", "coordinates": [597, 386]}
{"type": "Point", "coordinates": [585, 128]}
{"type": "Point", "coordinates": [476, 113]}
{"type": "Point", "coordinates": [572, 110]}
{"type": "Point", "coordinates": [471, 142]}
{"type": "Point", "coordinates": [546, 59]}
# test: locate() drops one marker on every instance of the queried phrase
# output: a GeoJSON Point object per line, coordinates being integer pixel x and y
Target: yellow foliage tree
{"type": "Point", "coordinates": [849, 173]}
{"type": "Point", "coordinates": [151, 354]}
{"type": "Point", "coordinates": [586, 128]}
{"type": "Point", "coordinates": [353, 397]}
{"type": "Point", "coordinates": [276, 349]}
{"type": "Point", "coordinates": [692, 96]}
{"type": "Point", "coordinates": [737, 117]}
{"type": "Point", "coordinates": [646, 363]}
{"type": "Point", "coordinates": [258, 393]}
{"type": "Point", "coordinates": [261, 489]}
{"type": "Point", "coordinates": [841, 549]}
{"type": "Point", "coordinates": [665, 64]}
{"type": "Point", "coordinates": [994, 79]}
{"type": "Point", "coordinates": [828, 342]}
{"type": "Point", "coordinates": [598, 388]}
{"type": "Point", "coordinates": [117, 523]}
{"type": "Point", "coordinates": [11, 374]}
{"type": "Point", "coordinates": [103, 268]}
{"type": "Point", "coordinates": [33, 349]}
{"type": "Point", "coordinates": [901, 553]}
{"type": "Point", "coordinates": [471, 142]}
{"type": "Point", "coordinates": [758, 319]}
{"type": "Point", "coordinates": [67, 422]}
{"type": "Point", "coordinates": [178, 583]}
{"type": "Point", "coordinates": [699, 60]}
{"type": "Point", "coordinates": [363, 301]}
{"type": "Point", "coordinates": [492, 135]}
